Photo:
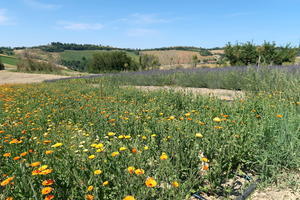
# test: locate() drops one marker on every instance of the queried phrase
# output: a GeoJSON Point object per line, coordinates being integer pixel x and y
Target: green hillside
{"type": "Point", "coordinates": [8, 60]}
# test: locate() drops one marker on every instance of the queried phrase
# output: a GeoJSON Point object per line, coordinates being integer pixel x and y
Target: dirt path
{"type": "Point", "coordinates": [7, 77]}
{"type": "Point", "coordinates": [228, 95]}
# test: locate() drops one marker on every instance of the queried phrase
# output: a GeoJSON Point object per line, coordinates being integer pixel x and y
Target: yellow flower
{"type": "Point", "coordinates": [47, 182]}
{"type": "Point", "coordinates": [127, 136]}
{"type": "Point", "coordinates": [146, 147]}
{"type": "Point", "coordinates": [122, 148]}
{"type": "Point", "coordinates": [131, 169]}
{"type": "Point", "coordinates": [187, 114]}
{"type": "Point", "coordinates": [105, 183]}
{"type": "Point", "coordinates": [92, 157]}
{"type": "Point", "coordinates": [150, 182]}
{"type": "Point", "coordinates": [47, 190]}
{"type": "Point", "coordinates": [111, 133]}
{"type": "Point", "coordinates": [175, 184]}
{"type": "Point", "coordinates": [204, 159]}
{"type": "Point", "coordinates": [98, 146]}
{"type": "Point", "coordinates": [199, 135]}
{"type": "Point", "coordinates": [164, 156]}
{"type": "Point", "coordinates": [35, 164]}
{"type": "Point", "coordinates": [97, 172]}
{"type": "Point", "coordinates": [116, 153]}
{"type": "Point", "coordinates": [57, 145]}
{"type": "Point", "coordinates": [129, 198]}
{"type": "Point", "coordinates": [43, 167]}
{"type": "Point", "coordinates": [217, 119]}
{"type": "Point", "coordinates": [90, 188]}
{"type": "Point", "coordinates": [171, 117]}
{"type": "Point", "coordinates": [139, 171]}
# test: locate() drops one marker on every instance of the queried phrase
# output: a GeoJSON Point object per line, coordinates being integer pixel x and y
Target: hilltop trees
{"type": "Point", "coordinates": [2, 67]}
{"type": "Point", "coordinates": [265, 54]}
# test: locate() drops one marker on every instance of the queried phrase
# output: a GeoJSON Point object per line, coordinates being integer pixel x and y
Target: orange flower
{"type": "Point", "coordinates": [7, 155]}
{"type": "Point", "coordinates": [175, 184]}
{"type": "Point", "coordinates": [35, 172]}
{"type": "Point", "coordinates": [164, 156]}
{"type": "Point", "coordinates": [150, 182]}
{"type": "Point", "coordinates": [46, 171]}
{"type": "Point", "coordinates": [35, 164]}
{"type": "Point", "coordinates": [23, 154]}
{"type": "Point", "coordinates": [9, 198]}
{"type": "Point", "coordinates": [17, 158]}
{"type": "Point", "coordinates": [47, 190]}
{"type": "Point", "coordinates": [279, 116]}
{"type": "Point", "coordinates": [47, 182]}
{"type": "Point", "coordinates": [7, 181]}
{"type": "Point", "coordinates": [49, 197]}
{"type": "Point", "coordinates": [131, 169]}
{"type": "Point", "coordinates": [48, 152]}
{"type": "Point", "coordinates": [89, 197]}
{"type": "Point", "coordinates": [134, 150]}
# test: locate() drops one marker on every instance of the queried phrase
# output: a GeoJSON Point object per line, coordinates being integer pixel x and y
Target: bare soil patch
{"type": "Point", "coordinates": [18, 77]}
{"type": "Point", "coordinates": [222, 94]}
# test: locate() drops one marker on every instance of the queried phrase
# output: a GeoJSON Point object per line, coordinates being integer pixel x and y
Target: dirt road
{"type": "Point", "coordinates": [7, 77]}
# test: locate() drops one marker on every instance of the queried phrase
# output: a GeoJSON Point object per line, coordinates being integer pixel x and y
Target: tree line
{"type": "Point", "coordinates": [266, 54]}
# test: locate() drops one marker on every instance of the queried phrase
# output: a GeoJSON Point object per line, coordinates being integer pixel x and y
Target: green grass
{"type": "Point", "coordinates": [258, 135]}
{"type": "Point", "coordinates": [8, 60]}
{"type": "Point", "coordinates": [77, 55]}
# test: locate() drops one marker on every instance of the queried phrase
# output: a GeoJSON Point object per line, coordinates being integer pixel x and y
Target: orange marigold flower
{"type": "Point", "coordinates": [48, 152]}
{"type": "Point", "coordinates": [35, 164]}
{"type": "Point", "coordinates": [89, 197]}
{"type": "Point", "coordinates": [7, 155]}
{"type": "Point", "coordinates": [7, 181]}
{"type": "Point", "coordinates": [150, 182]}
{"type": "Point", "coordinates": [47, 182]}
{"type": "Point", "coordinates": [47, 190]}
{"type": "Point", "coordinates": [46, 171]}
{"type": "Point", "coordinates": [17, 158]}
{"type": "Point", "coordinates": [134, 150]}
{"type": "Point", "coordinates": [35, 172]}
{"type": "Point", "coordinates": [129, 198]}
{"type": "Point", "coordinates": [131, 169]}
{"type": "Point", "coordinates": [9, 198]}
{"type": "Point", "coordinates": [139, 171]}
{"type": "Point", "coordinates": [49, 197]}
{"type": "Point", "coordinates": [163, 156]}
{"type": "Point", "coordinates": [279, 116]}
{"type": "Point", "coordinates": [23, 154]}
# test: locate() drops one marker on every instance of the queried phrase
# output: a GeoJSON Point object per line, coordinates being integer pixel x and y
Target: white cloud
{"type": "Point", "coordinates": [138, 18]}
{"type": "Point", "coordinates": [139, 32]}
{"type": "Point", "coordinates": [40, 5]}
{"type": "Point", "coordinates": [3, 18]}
{"type": "Point", "coordinates": [80, 26]}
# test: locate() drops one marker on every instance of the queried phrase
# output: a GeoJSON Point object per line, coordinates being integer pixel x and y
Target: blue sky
{"type": "Point", "coordinates": [149, 23]}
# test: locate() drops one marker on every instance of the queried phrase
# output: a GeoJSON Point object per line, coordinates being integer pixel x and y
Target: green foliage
{"type": "Point", "coordinates": [147, 61]}
{"type": "Point", "coordinates": [2, 67]}
{"type": "Point", "coordinates": [7, 51]}
{"type": "Point", "coordinates": [266, 54]}
{"type": "Point", "coordinates": [111, 61]}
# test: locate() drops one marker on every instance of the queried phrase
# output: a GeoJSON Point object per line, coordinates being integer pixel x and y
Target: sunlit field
{"type": "Point", "coordinates": [91, 139]}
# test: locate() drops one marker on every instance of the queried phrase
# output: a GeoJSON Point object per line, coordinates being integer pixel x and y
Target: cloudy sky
{"type": "Point", "coordinates": [149, 23]}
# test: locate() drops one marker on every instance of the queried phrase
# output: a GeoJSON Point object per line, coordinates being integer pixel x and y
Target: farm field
{"type": "Point", "coordinates": [72, 140]}
{"type": "Point", "coordinates": [8, 60]}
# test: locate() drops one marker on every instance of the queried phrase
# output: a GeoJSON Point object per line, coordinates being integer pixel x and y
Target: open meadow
{"type": "Point", "coordinates": [95, 139]}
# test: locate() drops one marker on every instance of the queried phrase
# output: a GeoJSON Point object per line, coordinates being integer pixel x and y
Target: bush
{"type": "Point", "coordinates": [111, 61]}
{"type": "Point", "coordinates": [2, 67]}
